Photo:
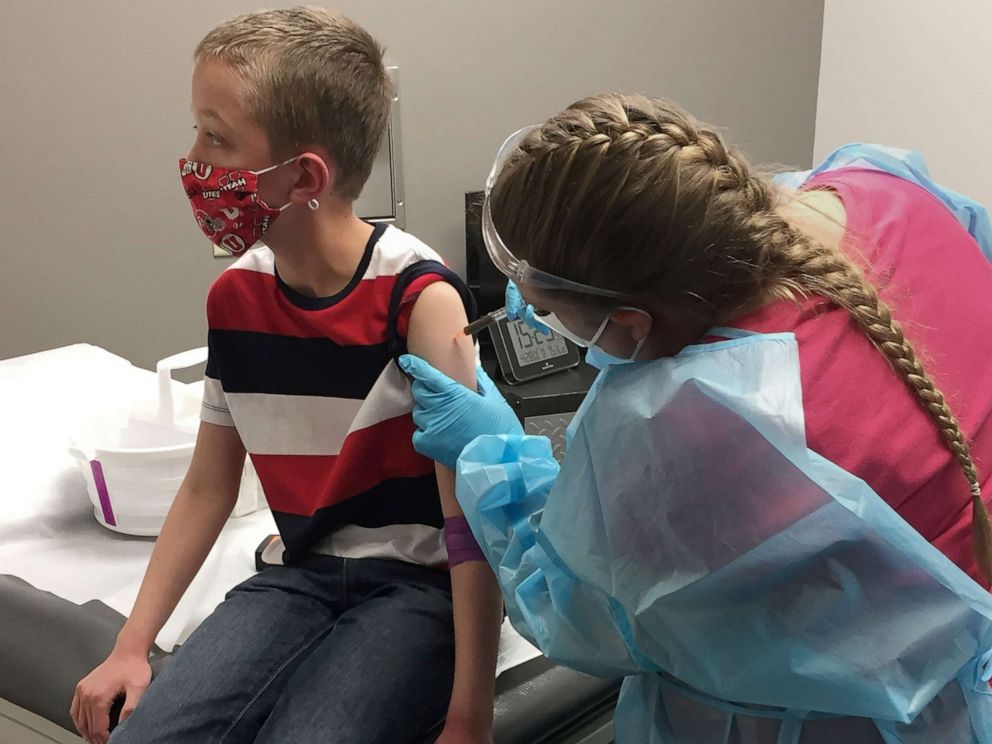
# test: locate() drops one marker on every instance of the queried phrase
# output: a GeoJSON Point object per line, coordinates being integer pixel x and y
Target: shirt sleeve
{"type": "Point", "coordinates": [214, 409]}
{"type": "Point", "coordinates": [409, 284]}
{"type": "Point", "coordinates": [409, 299]}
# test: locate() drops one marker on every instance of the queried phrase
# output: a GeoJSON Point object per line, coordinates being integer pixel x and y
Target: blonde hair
{"type": "Point", "coordinates": [311, 76]}
{"type": "Point", "coordinates": [633, 194]}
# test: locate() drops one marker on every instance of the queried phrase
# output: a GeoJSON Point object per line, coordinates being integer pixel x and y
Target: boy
{"type": "Point", "coordinates": [354, 638]}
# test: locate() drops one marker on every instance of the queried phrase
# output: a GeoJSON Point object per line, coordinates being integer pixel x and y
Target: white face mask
{"type": "Point", "coordinates": [554, 323]}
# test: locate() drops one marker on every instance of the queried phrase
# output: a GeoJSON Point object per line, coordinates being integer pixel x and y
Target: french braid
{"type": "Point", "coordinates": [597, 192]}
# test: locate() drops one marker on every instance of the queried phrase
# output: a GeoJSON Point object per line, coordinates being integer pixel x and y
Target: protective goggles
{"type": "Point", "coordinates": [516, 269]}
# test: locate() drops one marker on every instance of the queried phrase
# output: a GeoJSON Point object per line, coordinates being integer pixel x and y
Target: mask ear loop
{"type": "Point", "coordinates": [606, 322]}
{"type": "Point", "coordinates": [637, 349]}
{"type": "Point", "coordinates": [273, 167]}
{"type": "Point", "coordinates": [599, 331]}
{"type": "Point", "coordinates": [640, 344]}
{"type": "Point", "coordinates": [287, 205]}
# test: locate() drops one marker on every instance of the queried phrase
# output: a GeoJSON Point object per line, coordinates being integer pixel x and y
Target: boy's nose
{"type": "Point", "coordinates": [194, 153]}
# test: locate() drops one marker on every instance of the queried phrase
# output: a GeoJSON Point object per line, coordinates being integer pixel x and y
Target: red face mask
{"type": "Point", "coordinates": [226, 203]}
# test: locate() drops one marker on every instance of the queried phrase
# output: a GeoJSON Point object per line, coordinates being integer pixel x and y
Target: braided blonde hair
{"type": "Point", "coordinates": [620, 181]}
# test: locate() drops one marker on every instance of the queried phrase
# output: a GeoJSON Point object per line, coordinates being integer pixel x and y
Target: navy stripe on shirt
{"type": "Point", "coordinates": [252, 362]}
{"type": "Point", "coordinates": [393, 501]}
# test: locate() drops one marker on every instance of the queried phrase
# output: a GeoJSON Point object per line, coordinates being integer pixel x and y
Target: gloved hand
{"type": "Point", "coordinates": [517, 309]}
{"type": "Point", "coordinates": [448, 415]}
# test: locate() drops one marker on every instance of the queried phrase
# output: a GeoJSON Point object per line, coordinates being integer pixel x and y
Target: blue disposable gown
{"type": "Point", "coordinates": [750, 590]}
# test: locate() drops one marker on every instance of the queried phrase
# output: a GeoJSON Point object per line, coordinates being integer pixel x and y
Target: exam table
{"type": "Point", "coordinates": [51, 635]}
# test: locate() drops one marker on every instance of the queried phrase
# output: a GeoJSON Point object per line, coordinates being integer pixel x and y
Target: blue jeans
{"type": "Point", "coordinates": [330, 650]}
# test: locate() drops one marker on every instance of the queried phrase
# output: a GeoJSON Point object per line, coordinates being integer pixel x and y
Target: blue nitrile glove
{"type": "Point", "coordinates": [517, 309]}
{"type": "Point", "coordinates": [448, 415]}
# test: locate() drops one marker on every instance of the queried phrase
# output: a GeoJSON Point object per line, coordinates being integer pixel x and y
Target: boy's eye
{"type": "Point", "coordinates": [213, 138]}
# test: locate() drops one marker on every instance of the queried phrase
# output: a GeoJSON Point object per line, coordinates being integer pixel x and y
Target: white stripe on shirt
{"type": "Point", "coordinates": [272, 424]}
{"type": "Point", "coordinates": [414, 543]}
{"type": "Point", "coordinates": [260, 258]}
{"type": "Point", "coordinates": [389, 398]}
{"type": "Point", "coordinates": [215, 409]}
{"type": "Point", "coordinates": [394, 251]}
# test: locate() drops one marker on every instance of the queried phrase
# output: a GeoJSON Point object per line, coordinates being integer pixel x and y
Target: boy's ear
{"type": "Point", "coordinates": [316, 176]}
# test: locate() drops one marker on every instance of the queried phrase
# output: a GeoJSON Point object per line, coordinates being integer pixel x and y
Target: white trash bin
{"type": "Point", "coordinates": [133, 468]}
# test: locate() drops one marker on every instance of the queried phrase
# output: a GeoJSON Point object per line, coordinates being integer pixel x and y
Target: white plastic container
{"type": "Point", "coordinates": [135, 461]}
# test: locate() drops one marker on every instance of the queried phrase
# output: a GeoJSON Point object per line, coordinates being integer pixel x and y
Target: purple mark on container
{"type": "Point", "coordinates": [101, 490]}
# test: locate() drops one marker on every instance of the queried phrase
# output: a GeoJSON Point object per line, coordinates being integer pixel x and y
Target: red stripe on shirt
{"type": "Point", "coordinates": [410, 295]}
{"type": "Point", "coordinates": [302, 484]}
{"type": "Point", "coordinates": [244, 300]}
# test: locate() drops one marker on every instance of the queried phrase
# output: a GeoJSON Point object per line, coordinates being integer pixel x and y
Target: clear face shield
{"type": "Point", "coordinates": [516, 269]}
{"type": "Point", "coordinates": [522, 273]}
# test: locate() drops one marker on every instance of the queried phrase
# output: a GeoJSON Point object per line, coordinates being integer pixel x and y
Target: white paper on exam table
{"type": "Point", "coordinates": [48, 534]}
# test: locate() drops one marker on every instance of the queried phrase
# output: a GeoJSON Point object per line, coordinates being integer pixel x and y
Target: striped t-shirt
{"type": "Point", "coordinates": [312, 387]}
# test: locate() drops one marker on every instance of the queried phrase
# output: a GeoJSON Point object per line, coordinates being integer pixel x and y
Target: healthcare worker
{"type": "Point", "coordinates": [772, 521]}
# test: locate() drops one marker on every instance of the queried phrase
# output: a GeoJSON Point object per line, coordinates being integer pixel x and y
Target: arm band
{"type": "Point", "coordinates": [460, 543]}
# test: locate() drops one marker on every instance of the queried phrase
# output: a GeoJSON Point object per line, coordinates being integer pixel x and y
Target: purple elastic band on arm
{"type": "Point", "coordinates": [460, 542]}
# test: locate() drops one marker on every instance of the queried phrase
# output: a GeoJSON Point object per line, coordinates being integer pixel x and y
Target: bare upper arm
{"type": "Point", "coordinates": [435, 333]}
{"type": "Point", "coordinates": [218, 460]}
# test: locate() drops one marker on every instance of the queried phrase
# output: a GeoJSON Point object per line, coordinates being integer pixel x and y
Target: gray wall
{"type": "Point", "coordinates": [98, 243]}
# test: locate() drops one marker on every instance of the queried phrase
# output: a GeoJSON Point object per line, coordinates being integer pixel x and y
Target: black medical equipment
{"type": "Point", "coordinates": [525, 354]}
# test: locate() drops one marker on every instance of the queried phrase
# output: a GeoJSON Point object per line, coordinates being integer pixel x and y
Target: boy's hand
{"type": "Point", "coordinates": [124, 674]}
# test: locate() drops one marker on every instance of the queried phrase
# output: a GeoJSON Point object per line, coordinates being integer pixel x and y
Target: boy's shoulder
{"type": "Point", "coordinates": [392, 253]}
{"type": "Point", "coordinates": [396, 250]}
